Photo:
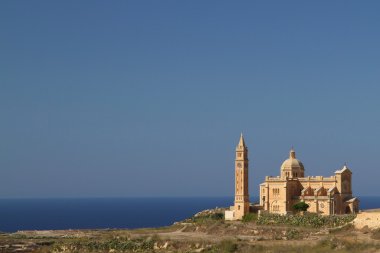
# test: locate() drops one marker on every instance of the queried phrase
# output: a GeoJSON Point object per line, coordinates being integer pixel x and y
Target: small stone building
{"type": "Point", "coordinates": [324, 195]}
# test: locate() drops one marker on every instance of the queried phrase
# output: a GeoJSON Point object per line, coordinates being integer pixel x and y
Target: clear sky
{"type": "Point", "coordinates": [148, 98]}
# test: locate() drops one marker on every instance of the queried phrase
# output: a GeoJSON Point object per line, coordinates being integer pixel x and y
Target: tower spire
{"type": "Point", "coordinates": [241, 141]}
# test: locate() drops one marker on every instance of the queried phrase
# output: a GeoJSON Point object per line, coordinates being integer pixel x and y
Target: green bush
{"type": "Point", "coordinates": [308, 220]}
{"type": "Point", "coordinates": [293, 234]}
{"type": "Point", "coordinates": [117, 244]}
{"type": "Point", "coordinates": [301, 207]}
{"type": "Point", "coordinates": [208, 218]}
{"type": "Point", "coordinates": [227, 246]}
{"type": "Point", "coordinates": [249, 217]}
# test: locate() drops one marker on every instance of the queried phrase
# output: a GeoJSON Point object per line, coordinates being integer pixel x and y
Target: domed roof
{"type": "Point", "coordinates": [292, 162]}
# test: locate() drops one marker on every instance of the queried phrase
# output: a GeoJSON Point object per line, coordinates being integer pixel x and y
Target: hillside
{"type": "Point", "coordinates": [205, 232]}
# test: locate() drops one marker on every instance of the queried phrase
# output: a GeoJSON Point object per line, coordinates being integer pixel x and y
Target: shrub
{"type": "Point", "coordinates": [293, 234]}
{"type": "Point", "coordinates": [116, 244]}
{"type": "Point", "coordinates": [227, 246]}
{"type": "Point", "coordinates": [301, 207]}
{"type": "Point", "coordinates": [309, 220]}
{"type": "Point", "coordinates": [249, 217]}
{"type": "Point", "coordinates": [207, 218]}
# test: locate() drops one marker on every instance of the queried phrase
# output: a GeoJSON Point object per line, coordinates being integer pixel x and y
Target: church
{"type": "Point", "coordinates": [324, 195]}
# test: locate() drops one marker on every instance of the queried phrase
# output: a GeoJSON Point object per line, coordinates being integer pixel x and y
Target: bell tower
{"type": "Point", "coordinates": [241, 206]}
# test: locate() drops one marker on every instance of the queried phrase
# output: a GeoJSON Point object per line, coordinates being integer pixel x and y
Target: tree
{"type": "Point", "coordinates": [301, 207]}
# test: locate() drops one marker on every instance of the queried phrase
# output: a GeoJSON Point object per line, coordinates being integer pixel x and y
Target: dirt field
{"type": "Point", "coordinates": [368, 218]}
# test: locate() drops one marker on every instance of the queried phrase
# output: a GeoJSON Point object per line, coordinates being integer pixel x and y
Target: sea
{"type": "Point", "coordinates": [110, 213]}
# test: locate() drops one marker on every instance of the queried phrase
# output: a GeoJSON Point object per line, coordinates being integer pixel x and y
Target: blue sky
{"type": "Point", "coordinates": [148, 98]}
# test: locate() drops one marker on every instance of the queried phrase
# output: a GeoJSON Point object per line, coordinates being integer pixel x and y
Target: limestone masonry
{"type": "Point", "coordinates": [324, 195]}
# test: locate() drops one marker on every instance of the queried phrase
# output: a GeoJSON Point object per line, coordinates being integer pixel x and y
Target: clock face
{"type": "Point", "coordinates": [322, 205]}
{"type": "Point", "coordinates": [239, 165]}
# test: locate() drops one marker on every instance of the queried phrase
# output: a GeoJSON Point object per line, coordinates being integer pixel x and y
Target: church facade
{"type": "Point", "coordinates": [324, 195]}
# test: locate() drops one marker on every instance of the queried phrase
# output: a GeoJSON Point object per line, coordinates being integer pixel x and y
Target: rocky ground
{"type": "Point", "coordinates": [205, 232]}
{"type": "Point", "coordinates": [368, 218]}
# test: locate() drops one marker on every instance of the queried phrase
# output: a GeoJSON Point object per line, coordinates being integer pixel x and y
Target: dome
{"type": "Point", "coordinates": [292, 167]}
{"type": "Point", "coordinates": [292, 163]}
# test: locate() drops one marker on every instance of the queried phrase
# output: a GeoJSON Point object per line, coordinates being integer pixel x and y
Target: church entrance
{"type": "Point", "coordinates": [348, 210]}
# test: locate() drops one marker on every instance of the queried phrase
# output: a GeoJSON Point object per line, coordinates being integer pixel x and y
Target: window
{"type": "Point", "coordinates": [239, 207]}
{"type": "Point", "coordinates": [276, 191]}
